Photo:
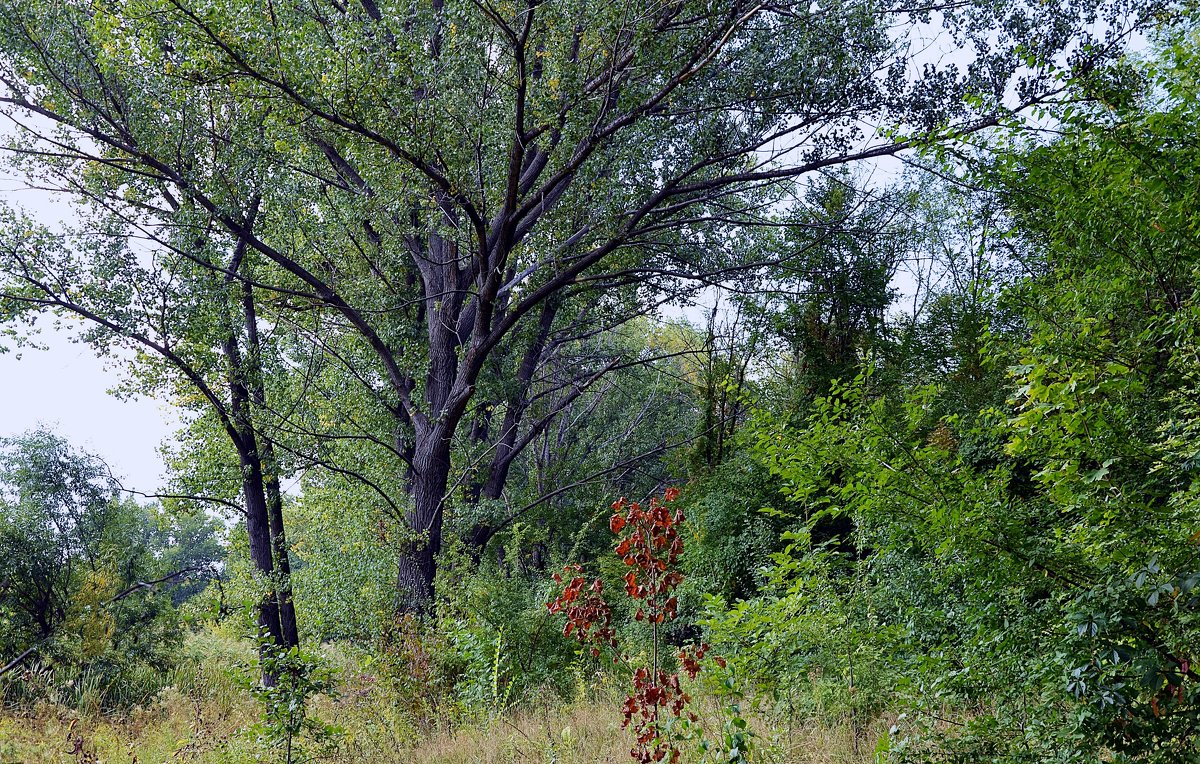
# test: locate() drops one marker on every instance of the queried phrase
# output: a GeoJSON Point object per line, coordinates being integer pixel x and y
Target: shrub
{"type": "Point", "coordinates": [656, 708]}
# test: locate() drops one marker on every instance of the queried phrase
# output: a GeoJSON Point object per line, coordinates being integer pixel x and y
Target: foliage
{"type": "Point", "coordinates": [731, 539]}
{"type": "Point", "coordinates": [502, 648]}
{"type": "Point", "coordinates": [404, 232]}
{"type": "Point", "coordinates": [1064, 608]}
{"type": "Point", "coordinates": [1015, 520]}
{"type": "Point", "coordinates": [1019, 560]}
{"type": "Point", "coordinates": [649, 545]}
{"type": "Point", "coordinates": [345, 562]}
{"type": "Point", "coordinates": [416, 258]}
{"type": "Point", "coordinates": [287, 728]}
{"type": "Point", "coordinates": [825, 303]}
{"type": "Point", "coordinates": [88, 581]}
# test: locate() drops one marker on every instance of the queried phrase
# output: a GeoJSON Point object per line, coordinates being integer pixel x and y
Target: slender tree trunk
{"type": "Point", "coordinates": [258, 512]}
{"type": "Point", "coordinates": [259, 532]}
{"type": "Point", "coordinates": [258, 524]}
{"type": "Point", "coordinates": [289, 630]}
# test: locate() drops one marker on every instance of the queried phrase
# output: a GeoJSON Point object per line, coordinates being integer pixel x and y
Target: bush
{"type": "Point", "coordinates": [506, 649]}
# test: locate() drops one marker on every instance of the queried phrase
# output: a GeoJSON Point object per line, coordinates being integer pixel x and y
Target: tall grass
{"type": "Point", "coordinates": [201, 712]}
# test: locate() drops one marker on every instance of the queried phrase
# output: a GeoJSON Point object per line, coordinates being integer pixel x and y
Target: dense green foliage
{"type": "Point", "coordinates": [89, 581]}
{"type": "Point", "coordinates": [1024, 518]}
{"type": "Point", "coordinates": [434, 286]}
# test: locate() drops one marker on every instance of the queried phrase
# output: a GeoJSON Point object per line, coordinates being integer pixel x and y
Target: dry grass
{"type": "Point", "coordinates": [178, 728]}
{"type": "Point", "coordinates": [203, 719]}
{"type": "Point", "coordinates": [183, 730]}
{"type": "Point", "coordinates": [590, 733]}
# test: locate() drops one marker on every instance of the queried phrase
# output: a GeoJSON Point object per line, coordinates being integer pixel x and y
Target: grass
{"type": "Point", "coordinates": [184, 731]}
{"type": "Point", "coordinates": [590, 733]}
{"type": "Point", "coordinates": [205, 716]}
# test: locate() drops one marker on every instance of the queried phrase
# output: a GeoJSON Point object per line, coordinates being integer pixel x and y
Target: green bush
{"type": "Point", "coordinates": [506, 649]}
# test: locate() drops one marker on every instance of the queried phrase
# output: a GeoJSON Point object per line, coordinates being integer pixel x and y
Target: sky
{"type": "Point", "coordinates": [65, 386]}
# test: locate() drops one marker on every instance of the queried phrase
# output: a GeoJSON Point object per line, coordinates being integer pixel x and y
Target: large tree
{"type": "Point", "coordinates": [449, 183]}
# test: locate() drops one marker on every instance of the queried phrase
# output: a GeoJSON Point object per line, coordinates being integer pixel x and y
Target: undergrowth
{"type": "Point", "coordinates": [205, 714]}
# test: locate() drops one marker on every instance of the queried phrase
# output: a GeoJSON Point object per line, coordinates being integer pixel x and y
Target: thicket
{"type": "Point", "coordinates": [90, 580]}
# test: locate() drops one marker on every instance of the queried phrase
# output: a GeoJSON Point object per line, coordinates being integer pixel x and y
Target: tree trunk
{"type": "Point", "coordinates": [417, 567]}
{"type": "Point", "coordinates": [258, 515]}
{"type": "Point", "coordinates": [289, 631]}
{"type": "Point", "coordinates": [415, 573]}
{"type": "Point", "coordinates": [259, 532]}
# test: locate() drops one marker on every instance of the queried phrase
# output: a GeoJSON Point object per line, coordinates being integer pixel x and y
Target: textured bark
{"type": "Point", "coordinates": [417, 567]}
{"type": "Point", "coordinates": [261, 555]}
{"type": "Point", "coordinates": [289, 630]}
{"type": "Point", "coordinates": [258, 514]}
{"type": "Point", "coordinates": [415, 575]}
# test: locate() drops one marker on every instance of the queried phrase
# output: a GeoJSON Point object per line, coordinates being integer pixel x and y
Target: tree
{"type": "Point", "coordinates": [826, 304]}
{"type": "Point", "coordinates": [438, 180]}
{"type": "Point", "coordinates": [192, 329]}
{"type": "Point", "coordinates": [87, 578]}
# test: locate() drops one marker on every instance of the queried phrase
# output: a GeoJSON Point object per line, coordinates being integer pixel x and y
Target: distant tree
{"type": "Point", "coordinates": [87, 577]}
{"type": "Point", "coordinates": [825, 306]}
{"type": "Point", "coordinates": [186, 326]}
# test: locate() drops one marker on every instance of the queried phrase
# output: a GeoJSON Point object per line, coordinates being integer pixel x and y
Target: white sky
{"type": "Point", "coordinates": [65, 386]}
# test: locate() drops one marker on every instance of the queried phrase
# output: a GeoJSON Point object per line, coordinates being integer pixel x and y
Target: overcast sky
{"type": "Point", "coordinates": [65, 386]}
